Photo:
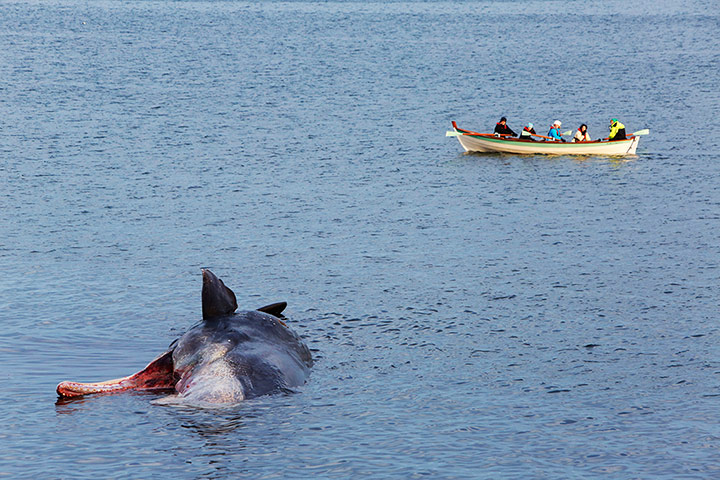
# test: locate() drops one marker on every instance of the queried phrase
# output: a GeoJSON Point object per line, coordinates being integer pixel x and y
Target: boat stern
{"type": "Point", "coordinates": [633, 146]}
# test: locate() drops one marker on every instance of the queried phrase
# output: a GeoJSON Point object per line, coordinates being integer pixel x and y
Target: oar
{"type": "Point", "coordinates": [644, 131]}
{"type": "Point", "coordinates": [470, 132]}
{"type": "Point", "coordinates": [551, 138]}
{"type": "Point", "coordinates": [458, 134]}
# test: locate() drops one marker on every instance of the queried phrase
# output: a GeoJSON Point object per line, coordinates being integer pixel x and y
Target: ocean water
{"type": "Point", "coordinates": [471, 316]}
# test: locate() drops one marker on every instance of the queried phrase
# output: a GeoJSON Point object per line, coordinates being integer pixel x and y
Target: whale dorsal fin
{"type": "Point", "coordinates": [275, 309]}
{"type": "Point", "coordinates": [217, 299]}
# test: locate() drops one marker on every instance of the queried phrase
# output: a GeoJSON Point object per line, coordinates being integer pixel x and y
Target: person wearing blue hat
{"type": "Point", "coordinates": [527, 133]}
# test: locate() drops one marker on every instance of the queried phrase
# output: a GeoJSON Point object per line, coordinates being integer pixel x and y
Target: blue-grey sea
{"type": "Point", "coordinates": [471, 316]}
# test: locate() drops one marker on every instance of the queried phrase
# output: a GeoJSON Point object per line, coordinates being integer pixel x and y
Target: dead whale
{"type": "Point", "coordinates": [226, 358]}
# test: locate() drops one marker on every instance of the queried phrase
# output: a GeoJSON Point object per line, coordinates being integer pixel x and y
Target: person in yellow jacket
{"type": "Point", "coordinates": [617, 130]}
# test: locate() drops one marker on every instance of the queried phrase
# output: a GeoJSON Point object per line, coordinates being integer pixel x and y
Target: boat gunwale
{"type": "Point", "coordinates": [493, 137]}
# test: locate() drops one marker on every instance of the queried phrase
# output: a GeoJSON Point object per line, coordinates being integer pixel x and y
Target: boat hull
{"type": "Point", "coordinates": [491, 144]}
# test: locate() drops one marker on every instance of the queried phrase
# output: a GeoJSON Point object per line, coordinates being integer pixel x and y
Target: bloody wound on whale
{"type": "Point", "coordinates": [224, 359]}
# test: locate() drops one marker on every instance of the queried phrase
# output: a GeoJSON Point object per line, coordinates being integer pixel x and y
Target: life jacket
{"type": "Point", "coordinates": [499, 128]}
{"type": "Point", "coordinates": [617, 131]}
{"type": "Point", "coordinates": [527, 133]}
{"type": "Point", "coordinates": [557, 135]}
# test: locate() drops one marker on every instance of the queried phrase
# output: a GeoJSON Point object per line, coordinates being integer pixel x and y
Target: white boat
{"type": "Point", "coordinates": [488, 142]}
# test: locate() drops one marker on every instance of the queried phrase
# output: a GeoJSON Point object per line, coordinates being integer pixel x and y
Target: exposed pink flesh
{"type": "Point", "coordinates": [157, 375]}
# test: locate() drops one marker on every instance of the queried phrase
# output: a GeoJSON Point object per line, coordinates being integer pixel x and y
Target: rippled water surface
{"type": "Point", "coordinates": [471, 316]}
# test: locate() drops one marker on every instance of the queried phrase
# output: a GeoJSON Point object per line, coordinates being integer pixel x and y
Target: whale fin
{"type": "Point", "coordinates": [275, 309]}
{"type": "Point", "coordinates": [217, 299]}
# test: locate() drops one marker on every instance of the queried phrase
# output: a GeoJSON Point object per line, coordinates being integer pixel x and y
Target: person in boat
{"type": "Point", "coordinates": [582, 134]}
{"type": "Point", "coordinates": [502, 128]}
{"type": "Point", "coordinates": [527, 133]}
{"type": "Point", "coordinates": [617, 130]}
{"type": "Point", "coordinates": [554, 133]}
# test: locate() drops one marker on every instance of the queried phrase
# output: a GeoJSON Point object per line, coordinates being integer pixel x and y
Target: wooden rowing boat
{"type": "Point", "coordinates": [488, 142]}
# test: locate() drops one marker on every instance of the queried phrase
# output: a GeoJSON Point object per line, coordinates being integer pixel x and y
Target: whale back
{"type": "Point", "coordinates": [230, 358]}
